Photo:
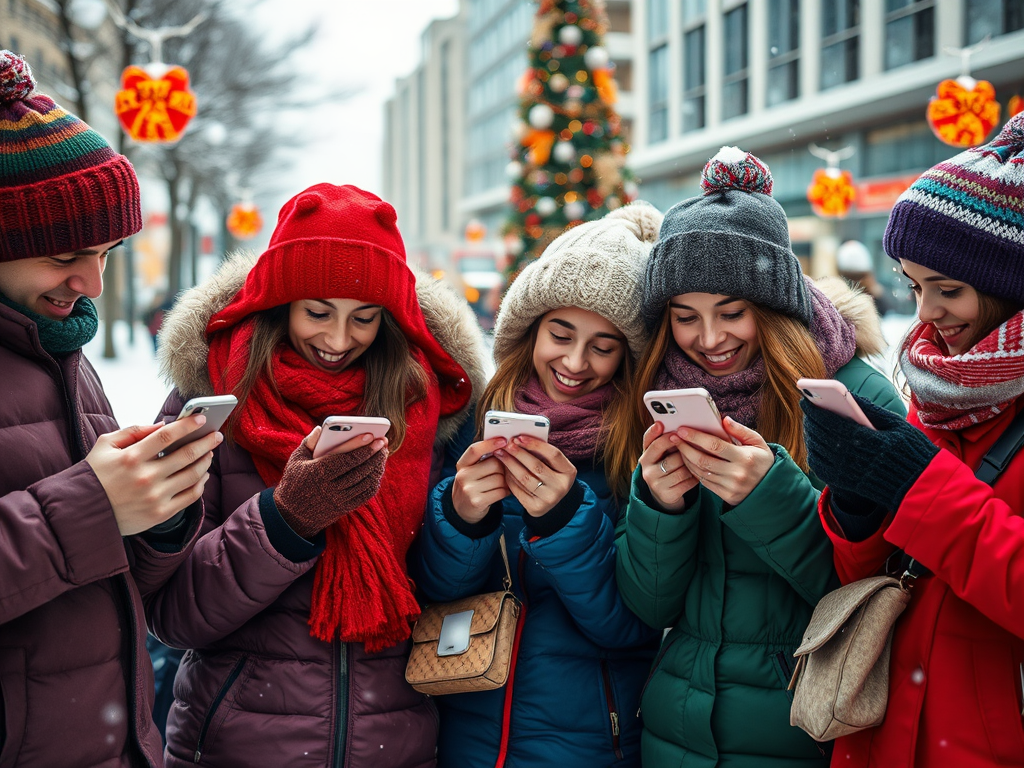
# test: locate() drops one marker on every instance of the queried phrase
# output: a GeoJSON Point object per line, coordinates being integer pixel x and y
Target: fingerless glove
{"type": "Point", "coordinates": [314, 493]}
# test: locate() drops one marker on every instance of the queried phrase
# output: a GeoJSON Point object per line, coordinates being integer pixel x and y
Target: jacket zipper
{"type": "Point", "coordinates": [654, 668]}
{"type": "Point", "coordinates": [129, 609]}
{"type": "Point", "coordinates": [341, 729]}
{"type": "Point", "coordinates": [235, 672]}
{"type": "Point", "coordinates": [613, 712]}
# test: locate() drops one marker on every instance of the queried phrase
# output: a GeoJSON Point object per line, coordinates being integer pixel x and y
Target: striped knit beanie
{"type": "Point", "coordinates": [62, 188]}
{"type": "Point", "coordinates": [732, 240]}
{"type": "Point", "coordinates": [965, 217]}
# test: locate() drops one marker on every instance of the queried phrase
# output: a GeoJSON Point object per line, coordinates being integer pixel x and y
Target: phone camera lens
{"type": "Point", "coordinates": [493, 421]}
{"type": "Point", "coordinates": [657, 406]}
{"type": "Point", "coordinates": [807, 394]}
{"type": "Point", "coordinates": [197, 411]}
{"type": "Point", "coordinates": [334, 428]}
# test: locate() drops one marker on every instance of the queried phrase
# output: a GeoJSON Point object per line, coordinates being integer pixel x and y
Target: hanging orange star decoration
{"type": "Point", "coordinates": [152, 107]}
{"type": "Point", "coordinates": [244, 221]}
{"type": "Point", "coordinates": [963, 112]}
{"type": "Point", "coordinates": [831, 192]}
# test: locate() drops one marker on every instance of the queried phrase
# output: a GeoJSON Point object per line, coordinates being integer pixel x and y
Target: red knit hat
{"type": "Point", "coordinates": [62, 187]}
{"type": "Point", "coordinates": [340, 243]}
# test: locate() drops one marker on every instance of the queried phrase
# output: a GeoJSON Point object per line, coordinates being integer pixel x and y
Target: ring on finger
{"type": "Point", "coordinates": [664, 471]}
{"type": "Point", "coordinates": [541, 483]}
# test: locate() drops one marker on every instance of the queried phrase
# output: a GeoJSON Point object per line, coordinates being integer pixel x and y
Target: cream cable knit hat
{"type": "Point", "coordinates": [598, 266]}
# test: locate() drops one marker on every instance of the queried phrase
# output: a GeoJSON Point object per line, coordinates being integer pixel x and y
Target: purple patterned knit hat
{"type": "Point", "coordinates": [965, 217]}
{"type": "Point", "coordinates": [733, 240]}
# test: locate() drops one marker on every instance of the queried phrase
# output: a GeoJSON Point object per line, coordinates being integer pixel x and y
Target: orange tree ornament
{"type": "Point", "coordinates": [832, 192]}
{"type": "Point", "coordinates": [963, 112]}
{"type": "Point", "coordinates": [244, 221]}
{"type": "Point", "coordinates": [154, 107]}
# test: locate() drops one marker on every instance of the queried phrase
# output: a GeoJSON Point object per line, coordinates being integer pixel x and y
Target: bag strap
{"type": "Point", "coordinates": [1002, 452]}
{"type": "Point", "coordinates": [993, 464]}
{"type": "Point", "coordinates": [507, 581]}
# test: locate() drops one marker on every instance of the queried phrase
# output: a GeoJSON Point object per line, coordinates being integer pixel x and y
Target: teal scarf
{"type": "Point", "coordinates": [58, 337]}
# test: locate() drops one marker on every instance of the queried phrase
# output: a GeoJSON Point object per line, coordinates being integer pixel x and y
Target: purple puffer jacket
{"type": "Point", "coordinates": [256, 689]}
{"type": "Point", "coordinates": [76, 685]}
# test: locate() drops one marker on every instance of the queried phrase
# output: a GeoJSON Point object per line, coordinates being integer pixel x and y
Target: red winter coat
{"type": "Point", "coordinates": [955, 694]}
{"type": "Point", "coordinates": [75, 678]}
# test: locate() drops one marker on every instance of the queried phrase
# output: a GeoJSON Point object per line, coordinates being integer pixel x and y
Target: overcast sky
{"type": "Point", "coordinates": [359, 44]}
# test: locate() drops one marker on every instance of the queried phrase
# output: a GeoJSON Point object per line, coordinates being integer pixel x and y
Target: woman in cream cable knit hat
{"type": "Point", "coordinates": [567, 338]}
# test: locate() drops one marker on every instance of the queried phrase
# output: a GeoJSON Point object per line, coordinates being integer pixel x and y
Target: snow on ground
{"type": "Point", "coordinates": [133, 386]}
{"type": "Point", "coordinates": [136, 391]}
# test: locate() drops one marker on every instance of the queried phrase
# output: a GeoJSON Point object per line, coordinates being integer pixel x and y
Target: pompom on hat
{"type": "Point", "coordinates": [336, 242]}
{"type": "Point", "coordinates": [597, 266]}
{"type": "Point", "coordinates": [62, 187]}
{"type": "Point", "coordinates": [731, 240]}
{"type": "Point", "coordinates": [964, 217]}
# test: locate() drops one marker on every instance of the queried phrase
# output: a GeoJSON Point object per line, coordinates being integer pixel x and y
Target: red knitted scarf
{"type": "Point", "coordinates": [956, 391]}
{"type": "Point", "coordinates": [362, 591]}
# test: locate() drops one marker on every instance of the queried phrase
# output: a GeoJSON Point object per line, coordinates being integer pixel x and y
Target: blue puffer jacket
{"type": "Point", "coordinates": [583, 657]}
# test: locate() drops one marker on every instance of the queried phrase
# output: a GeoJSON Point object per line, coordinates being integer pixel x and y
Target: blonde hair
{"type": "Point", "coordinates": [613, 445]}
{"type": "Point", "coordinates": [394, 379]}
{"type": "Point", "coordinates": [789, 353]}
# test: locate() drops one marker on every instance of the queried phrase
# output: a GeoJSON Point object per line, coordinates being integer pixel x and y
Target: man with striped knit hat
{"type": "Point", "coordinates": [92, 519]}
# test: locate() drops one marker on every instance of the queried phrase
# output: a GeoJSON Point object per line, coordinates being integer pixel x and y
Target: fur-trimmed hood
{"type": "Point", "coordinates": [857, 306]}
{"type": "Point", "coordinates": [183, 348]}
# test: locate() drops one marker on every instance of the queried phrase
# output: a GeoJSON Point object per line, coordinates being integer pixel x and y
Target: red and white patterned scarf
{"type": "Point", "coordinates": [956, 391]}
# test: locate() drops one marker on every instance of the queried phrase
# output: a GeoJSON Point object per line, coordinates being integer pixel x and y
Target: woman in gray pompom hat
{"type": "Point", "coordinates": [722, 541]}
{"type": "Point", "coordinates": [568, 336]}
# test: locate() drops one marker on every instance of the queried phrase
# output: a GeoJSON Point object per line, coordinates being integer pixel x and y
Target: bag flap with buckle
{"type": "Point", "coordinates": [486, 610]}
{"type": "Point", "coordinates": [836, 608]}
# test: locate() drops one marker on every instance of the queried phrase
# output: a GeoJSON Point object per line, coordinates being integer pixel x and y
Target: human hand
{"type": "Point", "coordinates": [730, 470]}
{"type": "Point", "coordinates": [537, 473]}
{"type": "Point", "coordinates": [144, 488]}
{"type": "Point", "coordinates": [879, 464]}
{"type": "Point", "coordinates": [663, 469]}
{"type": "Point", "coordinates": [315, 493]}
{"type": "Point", "coordinates": [479, 482]}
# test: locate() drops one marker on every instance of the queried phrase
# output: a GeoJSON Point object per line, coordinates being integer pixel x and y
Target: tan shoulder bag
{"type": "Point", "coordinates": [465, 645]}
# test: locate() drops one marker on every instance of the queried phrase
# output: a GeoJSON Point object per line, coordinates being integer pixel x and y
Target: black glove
{"type": "Point", "coordinates": [855, 461]}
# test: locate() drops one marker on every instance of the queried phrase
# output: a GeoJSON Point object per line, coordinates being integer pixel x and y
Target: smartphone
{"type": "Point", "coordinates": [509, 425]}
{"type": "Point", "coordinates": [833, 396]}
{"type": "Point", "coordinates": [216, 409]}
{"type": "Point", "coordinates": [339, 429]}
{"type": "Point", "coordinates": [692, 408]}
{"type": "Point", "coordinates": [455, 634]}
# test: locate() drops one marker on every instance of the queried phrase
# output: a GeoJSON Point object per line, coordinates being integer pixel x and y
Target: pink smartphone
{"type": "Point", "coordinates": [217, 408]}
{"type": "Point", "coordinates": [833, 396]}
{"type": "Point", "coordinates": [339, 429]}
{"type": "Point", "coordinates": [508, 425]}
{"type": "Point", "coordinates": [692, 408]}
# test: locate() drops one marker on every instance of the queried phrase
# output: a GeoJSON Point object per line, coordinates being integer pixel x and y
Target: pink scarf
{"type": "Point", "coordinates": [956, 391]}
{"type": "Point", "coordinates": [576, 425]}
{"type": "Point", "coordinates": [738, 395]}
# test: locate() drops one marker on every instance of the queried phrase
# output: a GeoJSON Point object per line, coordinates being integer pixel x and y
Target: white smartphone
{"type": "Point", "coordinates": [509, 425]}
{"type": "Point", "coordinates": [339, 429]}
{"type": "Point", "coordinates": [692, 408]}
{"type": "Point", "coordinates": [456, 632]}
{"type": "Point", "coordinates": [216, 409]}
{"type": "Point", "coordinates": [833, 396]}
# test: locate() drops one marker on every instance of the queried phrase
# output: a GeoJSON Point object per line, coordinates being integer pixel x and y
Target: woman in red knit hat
{"type": "Point", "coordinates": [296, 602]}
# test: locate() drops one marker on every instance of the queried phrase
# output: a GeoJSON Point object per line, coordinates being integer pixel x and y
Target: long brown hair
{"type": "Point", "coordinates": [394, 380]}
{"type": "Point", "coordinates": [514, 371]}
{"type": "Point", "coordinates": [789, 353]}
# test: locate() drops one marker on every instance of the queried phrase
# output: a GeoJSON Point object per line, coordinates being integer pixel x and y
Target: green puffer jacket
{"type": "Point", "coordinates": [737, 587]}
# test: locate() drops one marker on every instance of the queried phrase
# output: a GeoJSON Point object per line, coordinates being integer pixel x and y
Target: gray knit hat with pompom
{"type": "Point", "coordinates": [732, 240]}
{"type": "Point", "coordinates": [597, 266]}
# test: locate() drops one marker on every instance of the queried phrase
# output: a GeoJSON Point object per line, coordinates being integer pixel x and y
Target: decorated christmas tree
{"type": "Point", "coordinates": [568, 159]}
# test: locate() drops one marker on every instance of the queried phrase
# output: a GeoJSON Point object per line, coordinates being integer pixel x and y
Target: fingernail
{"type": "Point", "coordinates": [377, 444]}
{"type": "Point", "coordinates": [220, 437]}
{"type": "Point", "coordinates": [502, 442]}
{"type": "Point", "coordinates": [499, 452]}
{"type": "Point", "coordinates": [521, 439]}
{"type": "Point", "coordinates": [674, 439]}
{"type": "Point", "coordinates": [200, 419]}
{"type": "Point", "coordinates": [367, 438]}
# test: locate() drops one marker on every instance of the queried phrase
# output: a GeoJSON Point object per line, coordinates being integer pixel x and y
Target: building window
{"type": "Point", "coordinates": [657, 19]}
{"type": "Point", "coordinates": [840, 36]}
{"type": "Point", "coordinates": [658, 93]}
{"type": "Point", "coordinates": [734, 44]}
{"type": "Point", "coordinates": [693, 79]}
{"type": "Point", "coordinates": [909, 31]}
{"type": "Point", "coordinates": [984, 18]}
{"type": "Point", "coordinates": [783, 50]}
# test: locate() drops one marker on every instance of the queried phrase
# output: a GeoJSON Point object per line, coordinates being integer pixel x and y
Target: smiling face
{"type": "Point", "coordinates": [950, 305]}
{"type": "Point", "coordinates": [50, 285]}
{"type": "Point", "coordinates": [716, 332]}
{"type": "Point", "coordinates": [331, 334]}
{"type": "Point", "coordinates": [576, 352]}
